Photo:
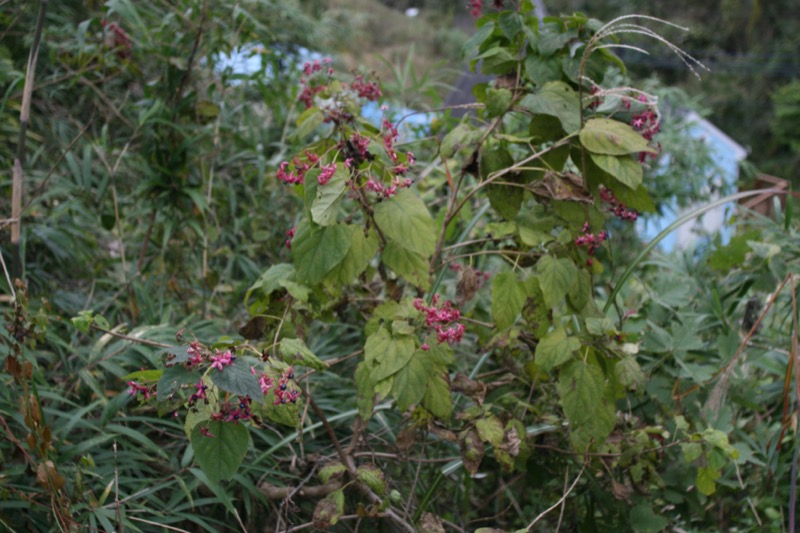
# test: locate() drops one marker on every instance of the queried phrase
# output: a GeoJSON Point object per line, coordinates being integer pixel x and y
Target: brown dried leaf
{"type": "Point", "coordinates": [471, 450]}
{"type": "Point", "coordinates": [566, 186]}
{"type": "Point", "coordinates": [430, 523]}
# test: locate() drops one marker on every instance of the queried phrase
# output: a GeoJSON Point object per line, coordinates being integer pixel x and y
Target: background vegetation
{"type": "Point", "coordinates": [151, 201]}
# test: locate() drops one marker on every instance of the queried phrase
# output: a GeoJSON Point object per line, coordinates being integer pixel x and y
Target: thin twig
{"type": "Point", "coordinates": [146, 342]}
{"type": "Point", "coordinates": [561, 499]}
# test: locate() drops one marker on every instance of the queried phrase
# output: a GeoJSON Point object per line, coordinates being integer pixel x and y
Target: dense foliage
{"type": "Point", "coordinates": [446, 332]}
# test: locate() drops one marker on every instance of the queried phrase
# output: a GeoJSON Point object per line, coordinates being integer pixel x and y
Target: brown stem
{"type": "Point", "coordinates": [349, 463]}
{"type": "Point", "coordinates": [19, 158]}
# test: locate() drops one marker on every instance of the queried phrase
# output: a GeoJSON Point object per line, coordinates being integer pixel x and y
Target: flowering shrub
{"type": "Point", "coordinates": [531, 183]}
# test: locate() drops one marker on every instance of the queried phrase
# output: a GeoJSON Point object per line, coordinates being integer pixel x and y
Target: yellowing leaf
{"type": "Point", "coordinates": [612, 137]}
{"type": "Point", "coordinates": [624, 168]}
{"type": "Point", "coordinates": [387, 355]}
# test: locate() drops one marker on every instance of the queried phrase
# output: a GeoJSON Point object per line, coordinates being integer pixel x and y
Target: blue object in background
{"type": "Point", "coordinates": [726, 155]}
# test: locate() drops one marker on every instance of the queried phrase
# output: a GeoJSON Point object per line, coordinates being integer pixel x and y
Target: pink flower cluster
{"type": "Point", "coordinates": [195, 352]}
{"type": "Point", "coordinates": [233, 412]}
{"type": "Point", "coordinates": [591, 241]}
{"type": "Point", "coordinates": [617, 207]}
{"type": "Point", "coordinates": [387, 191]}
{"type": "Point", "coordinates": [300, 168]}
{"type": "Point", "coordinates": [310, 67]}
{"type": "Point", "coordinates": [119, 40]}
{"type": "Point", "coordinates": [438, 317]}
{"type": "Point", "coordinates": [221, 360]}
{"type": "Point", "coordinates": [647, 123]}
{"type": "Point", "coordinates": [327, 173]}
{"type": "Point", "coordinates": [389, 138]}
{"type": "Point", "coordinates": [136, 389]}
{"type": "Point", "coordinates": [476, 6]}
{"type": "Point", "coordinates": [312, 84]}
{"type": "Point", "coordinates": [371, 90]}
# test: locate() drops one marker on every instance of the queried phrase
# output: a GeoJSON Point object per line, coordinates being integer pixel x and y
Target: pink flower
{"type": "Point", "coordinates": [326, 174]}
{"type": "Point", "coordinates": [475, 7]}
{"type": "Point", "coordinates": [206, 432]}
{"type": "Point", "coordinates": [265, 382]}
{"type": "Point", "coordinates": [222, 360]}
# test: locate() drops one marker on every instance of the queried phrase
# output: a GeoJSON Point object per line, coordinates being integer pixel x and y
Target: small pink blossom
{"type": "Point", "coordinates": [222, 360]}
{"type": "Point", "coordinates": [326, 174]}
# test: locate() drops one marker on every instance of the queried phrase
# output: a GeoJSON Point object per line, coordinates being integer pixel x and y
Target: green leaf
{"type": "Point", "coordinates": [510, 24]}
{"type": "Point", "coordinates": [308, 122]}
{"type": "Point", "coordinates": [270, 280]}
{"type": "Point", "coordinates": [83, 321]}
{"type": "Point", "coordinates": [143, 375]}
{"type": "Point", "coordinates": [508, 298]}
{"type": "Point", "coordinates": [490, 429]}
{"type": "Point", "coordinates": [581, 292]}
{"type": "Point", "coordinates": [437, 398]}
{"type": "Point", "coordinates": [559, 100]}
{"type": "Point", "coordinates": [172, 379]}
{"type": "Point", "coordinates": [328, 510]}
{"type": "Point", "coordinates": [691, 451]}
{"type": "Point", "coordinates": [405, 219]}
{"type": "Point", "coordinates": [582, 388]}
{"type": "Point", "coordinates": [555, 349]}
{"type": "Point", "coordinates": [505, 199]}
{"type": "Point", "coordinates": [497, 102]}
{"type": "Point", "coordinates": [556, 277]}
{"type": "Point", "coordinates": [534, 227]}
{"type": "Point", "coordinates": [317, 251]}
{"type": "Point", "coordinates": [295, 352]}
{"type": "Point", "coordinates": [535, 312]}
{"type": "Point", "coordinates": [599, 326]}
{"type": "Point", "coordinates": [545, 128]}
{"type": "Point", "coordinates": [724, 258]}
{"type": "Point", "coordinates": [371, 476]}
{"type": "Point", "coordinates": [542, 70]}
{"type": "Point", "coordinates": [365, 393]}
{"type": "Point", "coordinates": [325, 208]}
{"type": "Point", "coordinates": [200, 413]}
{"type": "Point", "coordinates": [550, 39]}
{"type": "Point", "coordinates": [287, 414]}
{"type": "Point", "coordinates": [410, 382]}
{"type": "Point", "coordinates": [238, 379]}
{"type": "Point", "coordinates": [437, 354]}
{"type": "Point", "coordinates": [386, 355]}
{"type": "Point", "coordinates": [362, 249]}
{"type": "Point", "coordinates": [629, 373]}
{"type": "Point", "coordinates": [611, 137]}
{"type": "Point", "coordinates": [472, 45]}
{"type": "Point", "coordinates": [296, 290]}
{"type": "Point", "coordinates": [498, 60]}
{"type": "Point", "coordinates": [330, 470]}
{"type": "Point", "coordinates": [220, 456]}
{"type": "Point", "coordinates": [706, 480]}
{"type": "Point", "coordinates": [407, 264]}
{"type": "Point", "coordinates": [644, 520]}
{"type": "Point", "coordinates": [460, 137]}
{"type": "Point", "coordinates": [624, 168]}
